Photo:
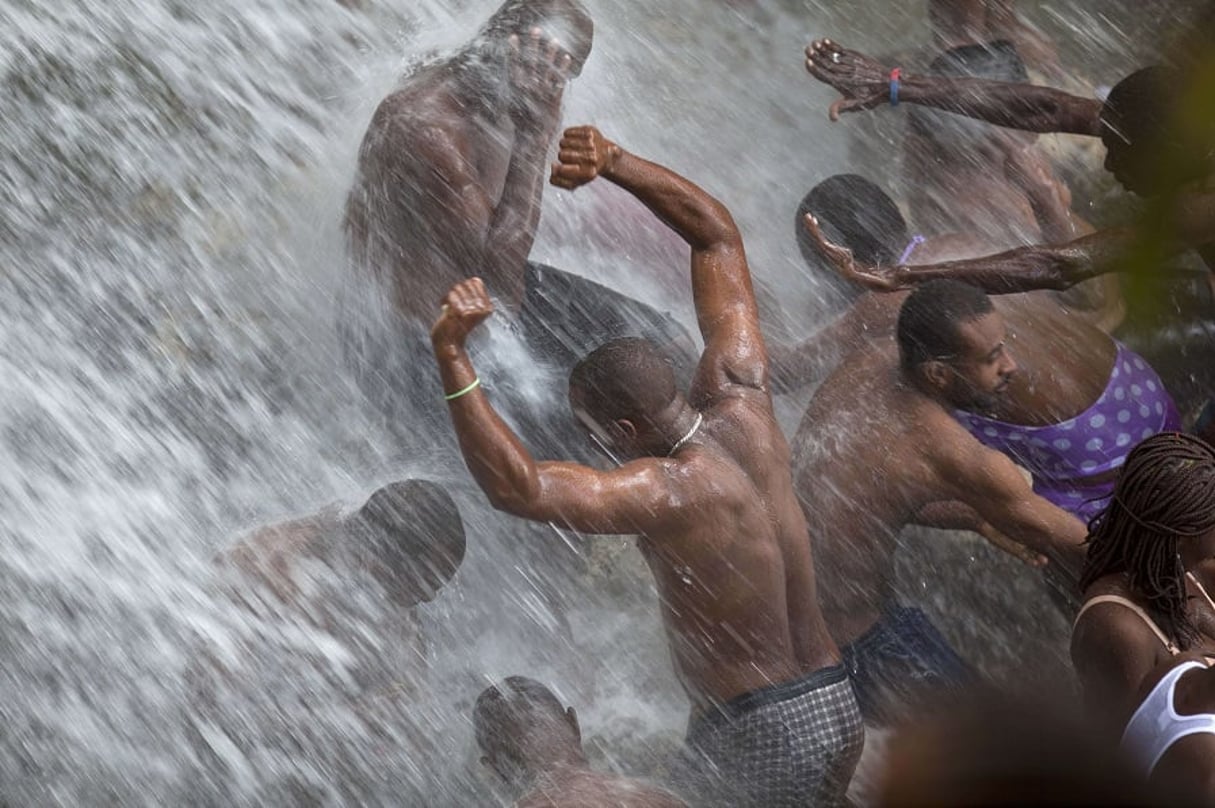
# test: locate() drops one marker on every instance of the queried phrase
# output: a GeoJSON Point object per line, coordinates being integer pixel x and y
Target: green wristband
{"type": "Point", "coordinates": [453, 396]}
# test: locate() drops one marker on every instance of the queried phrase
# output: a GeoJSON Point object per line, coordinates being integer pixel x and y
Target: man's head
{"type": "Point", "coordinates": [952, 344]}
{"type": "Point", "coordinates": [562, 20]}
{"type": "Point", "coordinates": [853, 212]}
{"type": "Point", "coordinates": [953, 137]}
{"type": "Point", "coordinates": [623, 392]}
{"type": "Point", "coordinates": [1139, 130]}
{"type": "Point", "coordinates": [522, 728]}
{"type": "Point", "coordinates": [410, 537]}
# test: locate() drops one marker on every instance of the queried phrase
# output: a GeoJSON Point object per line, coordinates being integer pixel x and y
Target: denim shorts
{"type": "Point", "coordinates": [899, 661]}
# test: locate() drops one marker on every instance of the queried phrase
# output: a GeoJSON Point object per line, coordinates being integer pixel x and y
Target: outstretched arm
{"type": "Point", "coordinates": [991, 484]}
{"type": "Point", "coordinates": [864, 83]}
{"type": "Point", "coordinates": [721, 282]}
{"type": "Point", "coordinates": [1019, 270]}
{"type": "Point", "coordinates": [954, 515]}
{"type": "Point", "coordinates": [636, 498]}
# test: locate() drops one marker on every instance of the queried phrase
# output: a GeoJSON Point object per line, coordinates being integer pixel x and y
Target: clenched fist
{"type": "Point", "coordinates": [583, 155]}
{"type": "Point", "coordinates": [464, 308]}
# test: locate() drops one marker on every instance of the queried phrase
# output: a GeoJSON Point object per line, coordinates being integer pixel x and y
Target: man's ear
{"type": "Point", "coordinates": [626, 428]}
{"type": "Point", "coordinates": [572, 717]}
{"type": "Point", "coordinates": [936, 373]}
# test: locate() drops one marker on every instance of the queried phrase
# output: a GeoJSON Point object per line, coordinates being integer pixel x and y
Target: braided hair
{"type": "Point", "coordinates": [1165, 493]}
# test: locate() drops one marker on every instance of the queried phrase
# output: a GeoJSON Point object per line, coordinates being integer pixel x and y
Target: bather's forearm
{"type": "Point", "coordinates": [1018, 106]}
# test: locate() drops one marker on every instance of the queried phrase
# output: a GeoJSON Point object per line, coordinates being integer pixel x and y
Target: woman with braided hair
{"type": "Point", "coordinates": [1144, 599]}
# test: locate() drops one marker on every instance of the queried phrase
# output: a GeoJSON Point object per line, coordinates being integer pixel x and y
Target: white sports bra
{"type": "Point", "coordinates": [1156, 726]}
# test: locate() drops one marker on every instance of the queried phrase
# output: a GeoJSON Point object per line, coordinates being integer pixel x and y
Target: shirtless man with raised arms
{"type": "Point", "coordinates": [450, 176]}
{"type": "Point", "coordinates": [708, 490]}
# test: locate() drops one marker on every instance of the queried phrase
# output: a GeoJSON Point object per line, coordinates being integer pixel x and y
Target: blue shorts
{"type": "Point", "coordinates": [898, 661]}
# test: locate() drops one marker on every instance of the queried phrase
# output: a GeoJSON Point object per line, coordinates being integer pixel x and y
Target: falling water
{"type": "Point", "coordinates": [169, 377]}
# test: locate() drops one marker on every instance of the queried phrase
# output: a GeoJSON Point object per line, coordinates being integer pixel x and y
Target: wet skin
{"type": "Point", "coordinates": [583, 788]}
{"type": "Point", "coordinates": [864, 84]}
{"type": "Point", "coordinates": [874, 448]}
{"type": "Point", "coordinates": [1114, 651]}
{"type": "Point", "coordinates": [452, 167]}
{"type": "Point", "coordinates": [718, 521]}
{"type": "Point", "coordinates": [1050, 386]}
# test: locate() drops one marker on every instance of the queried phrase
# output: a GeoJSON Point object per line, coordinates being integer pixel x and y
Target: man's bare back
{"type": "Point", "coordinates": [729, 641]}
{"type": "Point", "coordinates": [863, 470]}
{"type": "Point", "coordinates": [706, 487]}
{"type": "Point", "coordinates": [718, 519]}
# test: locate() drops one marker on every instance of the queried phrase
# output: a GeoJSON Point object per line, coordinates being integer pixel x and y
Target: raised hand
{"type": "Point", "coordinates": [584, 154]}
{"type": "Point", "coordinates": [463, 309]}
{"type": "Point", "coordinates": [1028, 169]}
{"type": "Point", "coordinates": [880, 279]}
{"type": "Point", "coordinates": [864, 83]}
{"type": "Point", "coordinates": [539, 69]}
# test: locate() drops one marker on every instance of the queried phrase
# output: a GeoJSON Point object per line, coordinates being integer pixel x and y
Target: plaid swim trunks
{"type": "Point", "coordinates": [792, 744]}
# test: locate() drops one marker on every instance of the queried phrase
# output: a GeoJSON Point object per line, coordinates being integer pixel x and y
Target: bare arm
{"type": "Point", "coordinates": [721, 282]}
{"type": "Point", "coordinates": [864, 83]}
{"type": "Point", "coordinates": [433, 172]}
{"type": "Point", "coordinates": [795, 366]}
{"type": "Point", "coordinates": [541, 68]}
{"type": "Point", "coordinates": [1027, 169]}
{"type": "Point", "coordinates": [1112, 651]}
{"type": "Point", "coordinates": [1023, 269]}
{"type": "Point", "coordinates": [636, 498]}
{"type": "Point", "coordinates": [991, 484]}
{"type": "Point", "coordinates": [954, 515]}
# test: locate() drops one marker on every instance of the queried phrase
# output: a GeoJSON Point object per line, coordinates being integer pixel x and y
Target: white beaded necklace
{"type": "Point", "coordinates": [695, 426]}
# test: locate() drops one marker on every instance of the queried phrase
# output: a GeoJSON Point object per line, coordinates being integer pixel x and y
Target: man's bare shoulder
{"type": "Point", "coordinates": [269, 544]}
{"type": "Point", "coordinates": [412, 118]}
{"type": "Point", "coordinates": [862, 407]}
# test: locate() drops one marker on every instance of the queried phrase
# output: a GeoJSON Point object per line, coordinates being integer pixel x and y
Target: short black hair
{"type": "Point", "coordinates": [506, 716]}
{"type": "Point", "coordinates": [930, 316]}
{"type": "Point", "coordinates": [625, 378]}
{"type": "Point", "coordinates": [411, 522]}
{"type": "Point", "coordinates": [1138, 112]}
{"type": "Point", "coordinates": [856, 213]}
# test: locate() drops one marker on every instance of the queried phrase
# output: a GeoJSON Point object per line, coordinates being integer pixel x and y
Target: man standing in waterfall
{"type": "Point", "coordinates": [449, 184]}
{"type": "Point", "coordinates": [449, 180]}
{"type": "Point", "coordinates": [708, 490]}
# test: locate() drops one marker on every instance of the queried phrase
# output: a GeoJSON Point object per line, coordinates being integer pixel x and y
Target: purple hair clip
{"type": "Point", "coordinates": [916, 241]}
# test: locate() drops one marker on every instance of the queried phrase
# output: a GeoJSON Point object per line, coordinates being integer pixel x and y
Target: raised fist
{"type": "Point", "coordinates": [583, 155]}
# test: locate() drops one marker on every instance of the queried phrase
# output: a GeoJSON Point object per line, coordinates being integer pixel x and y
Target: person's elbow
{"type": "Point", "coordinates": [518, 496]}
{"type": "Point", "coordinates": [719, 231]}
